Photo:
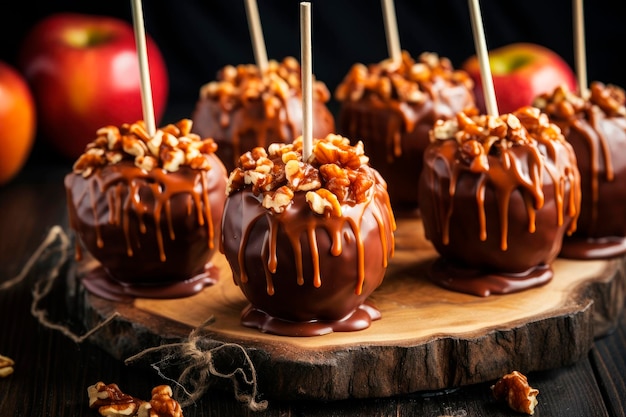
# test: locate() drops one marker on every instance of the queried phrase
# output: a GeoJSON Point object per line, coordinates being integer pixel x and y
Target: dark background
{"type": "Point", "coordinates": [197, 38]}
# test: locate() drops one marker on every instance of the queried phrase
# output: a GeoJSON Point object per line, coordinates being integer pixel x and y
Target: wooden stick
{"type": "Point", "coordinates": [256, 34]}
{"type": "Point", "coordinates": [144, 72]}
{"type": "Point", "coordinates": [579, 48]}
{"type": "Point", "coordinates": [483, 58]}
{"type": "Point", "coordinates": [307, 80]}
{"type": "Point", "coordinates": [391, 31]}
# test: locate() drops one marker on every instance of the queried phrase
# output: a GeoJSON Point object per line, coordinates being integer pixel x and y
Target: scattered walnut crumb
{"type": "Point", "coordinates": [111, 401]}
{"type": "Point", "coordinates": [6, 366]}
{"type": "Point", "coordinates": [514, 389]}
{"type": "Point", "coordinates": [482, 135]}
{"type": "Point", "coordinates": [407, 81]}
{"type": "Point", "coordinates": [243, 83]}
{"type": "Point", "coordinates": [336, 173]}
{"type": "Point", "coordinates": [171, 147]}
{"type": "Point", "coordinates": [564, 104]}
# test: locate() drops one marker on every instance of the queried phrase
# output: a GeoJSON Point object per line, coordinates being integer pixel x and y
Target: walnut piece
{"type": "Point", "coordinates": [161, 404]}
{"type": "Point", "coordinates": [112, 402]}
{"type": "Point", "coordinates": [6, 366]}
{"type": "Point", "coordinates": [564, 104]}
{"type": "Point", "coordinates": [171, 147]}
{"type": "Point", "coordinates": [243, 83]}
{"type": "Point", "coordinates": [483, 135]}
{"type": "Point", "coordinates": [514, 389]}
{"type": "Point", "coordinates": [335, 173]}
{"type": "Point", "coordinates": [407, 81]}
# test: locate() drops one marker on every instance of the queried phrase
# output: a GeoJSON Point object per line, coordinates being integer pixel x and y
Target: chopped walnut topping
{"type": "Point", "coordinates": [564, 104]}
{"type": "Point", "coordinates": [482, 135]}
{"type": "Point", "coordinates": [336, 173]}
{"type": "Point", "coordinates": [111, 401]}
{"type": "Point", "coordinates": [407, 81]}
{"type": "Point", "coordinates": [236, 85]}
{"type": "Point", "coordinates": [6, 366]}
{"type": "Point", "coordinates": [170, 148]}
{"type": "Point", "coordinates": [514, 389]}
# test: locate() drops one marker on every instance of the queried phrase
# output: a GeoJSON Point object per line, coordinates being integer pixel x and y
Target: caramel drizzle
{"type": "Point", "coordinates": [595, 139]}
{"type": "Point", "coordinates": [274, 119]}
{"type": "Point", "coordinates": [163, 187]}
{"type": "Point", "coordinates": [352, 215]}
{"type": "Point", "coordinates": [410, 115]}
{"type": "Point", "coordinates": [509, 175]}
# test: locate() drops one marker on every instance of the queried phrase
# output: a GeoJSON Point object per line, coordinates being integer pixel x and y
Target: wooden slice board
{"type": "Point", "coordinates": [429, 338]}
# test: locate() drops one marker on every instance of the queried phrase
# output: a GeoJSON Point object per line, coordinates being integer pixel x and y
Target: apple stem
{"type": "Point", "coordinates": [391, 31]}
{"type": "Point", "coordinates": [483, 58]}
{"type": "Point", "coordinates": [579, 48]}
{"type": "Point", "coordinates": [256, 34]}
{"type": "Point", "coordinates": [307, 80]}
{"type": "Point", "coordinates": [144, 71]}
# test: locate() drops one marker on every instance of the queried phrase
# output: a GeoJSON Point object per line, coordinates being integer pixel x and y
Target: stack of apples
{"type": "Point", "coordinates": [75, 73]}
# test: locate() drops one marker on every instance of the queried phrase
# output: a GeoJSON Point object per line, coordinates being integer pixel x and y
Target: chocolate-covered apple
{"type": "Point", "coordinates": [392, 106]}
{"type": "Point", "coordinates": [497, 195]}
{"type": "Point", "coordinates": [307, 241]}
{"type": "Point", "coordinates": [148, 209]}
{"type": "Point", "coordinates": [596, 129]}
{"type": "Point", "coordinates": [246, 108]}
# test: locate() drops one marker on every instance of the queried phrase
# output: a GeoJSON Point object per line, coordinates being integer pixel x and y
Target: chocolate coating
{"type": "Point", "coordinates": [396, 135]}
{"type": "Point", "coordinates": [304, 273]}
{"type": "Point", "coordinates": [149, 228]}
{"type": "Point", "coordinates": [395, 131]}
{"type": "Point", "coordinates": [505, 220]}
{"type": "Point", "coordinates": [247, 125]}
{"type": "Point", "coordinates": [599, 140]}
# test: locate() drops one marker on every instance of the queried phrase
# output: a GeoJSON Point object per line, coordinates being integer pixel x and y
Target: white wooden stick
{"type": "Point", "coordinates": [579, 48]}
{"type": "Point", "coordinates": [256, 34]}
{"type": "Point", "coordinates": [391, 31]}
{"type": "Point", "coordinates": [483, 58]}
{"type": "Point", "coordinates": [307, 80]}
{"type": "Point", "coordinates": [144, 71]}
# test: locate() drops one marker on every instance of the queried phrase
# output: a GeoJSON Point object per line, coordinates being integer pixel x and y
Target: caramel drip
{"type": "Point", "coordinates": [597, 145]}
{"type": "Point", "coordinates": [289, 222]}
{"type": "Point", "coordinates": [518, 167]}
{"type": "Point", "coordinates": [273, 121]}
{"type": "Point", "coordinates": [408, 115]}
{"type": "Point", "coordinates": [123, 187]}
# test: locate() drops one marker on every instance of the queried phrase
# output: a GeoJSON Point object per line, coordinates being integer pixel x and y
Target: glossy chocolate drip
{"type": "Point", "coordinates": [507, 217]}
{"type": "Point", "coordinates": [240, 127]}
{"type": "Point", "coordinates": [596, 129]}
{"type": "Point", "coordinates": [298, 266]}
{"type": "Point", "coordinates": [599, 142]}
{"type": "Point", "coordinates": [483, 284]}
{"type": "Point", "coordinates": [148, 228]}
{"type": "Point", "coordinates": [395, 133]}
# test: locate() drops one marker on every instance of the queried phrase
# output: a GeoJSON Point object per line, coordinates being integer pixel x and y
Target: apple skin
{"type": "Point", "coordinates": [520, 72]}
{"type": "Point", "coordinates": [18, 120]}
{"type": "Point", "coordinates": [84, 74]}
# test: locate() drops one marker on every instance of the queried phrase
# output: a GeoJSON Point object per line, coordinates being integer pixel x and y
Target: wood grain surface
{"type": "Point", "coordinates": [429, 338]}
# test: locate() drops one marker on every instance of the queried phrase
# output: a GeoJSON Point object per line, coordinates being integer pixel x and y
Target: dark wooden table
{"type": "Point", "coordinates": [52, 372]}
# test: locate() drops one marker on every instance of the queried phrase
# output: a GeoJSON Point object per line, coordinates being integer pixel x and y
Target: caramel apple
{"type": "Point", "coordinates": [596, 129]}
{"type": "Point", "coordinates": [391, 108]}
{"type": "Point", "coordinates": [245, 108]}
{"type": "Point", "coordinates": [307, 241]}
{"type": "Point", "coordinates": [148, 209]}
{"type": "Point", "coordinates": [497, 195]}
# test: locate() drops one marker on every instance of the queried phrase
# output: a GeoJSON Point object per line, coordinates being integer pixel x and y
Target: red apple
{"type": "Point", "coordinates": [17, 122]}
{"type": "Point", "coordinates": [84, 74]}
{"type": "Point", "coordinates": [520, 72]}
